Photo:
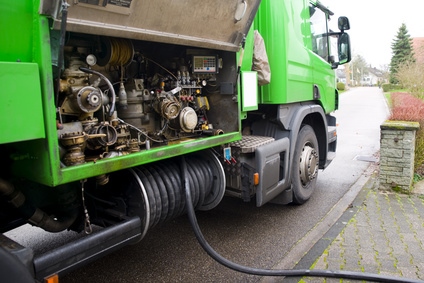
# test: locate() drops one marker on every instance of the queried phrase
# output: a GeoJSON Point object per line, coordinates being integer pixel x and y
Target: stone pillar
{"type": "Point", "coordinates": [397, 148]}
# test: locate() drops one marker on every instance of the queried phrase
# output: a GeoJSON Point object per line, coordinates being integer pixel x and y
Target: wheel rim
{"type": "Point", "coordinates": [308, 165]}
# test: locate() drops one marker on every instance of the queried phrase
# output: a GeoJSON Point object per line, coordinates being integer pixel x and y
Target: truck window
{"type": "Point", "coordinates": [319, 32]}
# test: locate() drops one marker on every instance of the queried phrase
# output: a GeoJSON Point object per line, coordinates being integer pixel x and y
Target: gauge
{"type": "Point", "coordinates": [91, 60]}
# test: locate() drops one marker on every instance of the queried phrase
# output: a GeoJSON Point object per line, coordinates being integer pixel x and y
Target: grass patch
{"type": "Point", "coordinates": [418, 177]}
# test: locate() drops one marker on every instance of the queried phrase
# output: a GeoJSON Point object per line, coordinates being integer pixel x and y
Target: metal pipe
{"type": "Point", "coordinates": [213, 132]}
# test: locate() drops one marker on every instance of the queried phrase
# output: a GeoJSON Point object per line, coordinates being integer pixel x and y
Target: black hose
{"type": "Point", "coordinates": [179, 195]}
{"type": "Point", "coordinates": [151, 196]}
{"type": "Point", "coordinates": [201, 185]}
{"type": "Point", "coordinates": [272, 272]}
{"type": "Point", "coordinates": [33, 214]}
{"type": "Point", "coordinates": [162, 177]}
{"type": "Point", "coordinates": [193, 182]}
{"type": "Point", "coordinates": [162, 184]}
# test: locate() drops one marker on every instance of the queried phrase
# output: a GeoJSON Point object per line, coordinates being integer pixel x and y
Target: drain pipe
{"type": "Point", "coordinates": [273, 272]}
{"type": "Point", "coordinates": [33, 214]}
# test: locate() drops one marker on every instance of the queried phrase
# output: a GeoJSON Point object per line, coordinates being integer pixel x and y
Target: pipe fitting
{"type": "Point", "coordinates": [33, 214]}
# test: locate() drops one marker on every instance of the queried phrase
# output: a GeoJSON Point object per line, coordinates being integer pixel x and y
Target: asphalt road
{"type": "Point", "coordinates": [257, 237]}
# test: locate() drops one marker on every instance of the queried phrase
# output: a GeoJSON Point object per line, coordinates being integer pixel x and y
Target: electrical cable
{"type": "Point", "coordinates": [140, 131]}
{"type": "Point", "coordinates": [273, 272]}
{"type": "Point", "coordinates": [162, 67]}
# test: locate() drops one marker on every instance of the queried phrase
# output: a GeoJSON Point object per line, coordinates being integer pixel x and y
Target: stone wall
{"type": "Point", "coordinates": [397, 148]}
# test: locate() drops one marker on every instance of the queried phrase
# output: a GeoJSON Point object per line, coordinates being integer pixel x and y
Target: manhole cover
{"type": "Point", "coordinates": [367, 158]}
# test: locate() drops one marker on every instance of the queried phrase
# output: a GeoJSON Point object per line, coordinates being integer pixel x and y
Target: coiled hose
{"type": "Point", "coordinates": [272, 272]}
{"type": "Point", "coordinates": [166, 200]}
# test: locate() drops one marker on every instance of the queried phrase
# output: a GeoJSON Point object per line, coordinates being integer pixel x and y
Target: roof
{"type": "Point", "coordinates": [418, 48]}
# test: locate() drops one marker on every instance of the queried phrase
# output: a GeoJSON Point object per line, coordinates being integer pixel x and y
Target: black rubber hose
{"type": "Point", "coordinates": [207, 173]}
{"type": "Point", "coordinates": [33, 214]}
{"type": "Point", "coordinates": [195, 183]}
{"type": "Point", "coordinates": [156, 194]}
{"type": "Point", "coordinates": [200, 181]}
{"type": "Point", "coordinates": [159, 173]}
{"type": "Point", "coordinates": [179, 195]}
{"type": "Point", "coordinates": [193, 190]}
{"type": "Point", "coordinates": [175, 170]}
{"type": "Point", "coordinates": [150, 195]}
{"type": "Point", "coordinates": [163, 194]}
{"type": "Point", "coordinates": [271, 272]}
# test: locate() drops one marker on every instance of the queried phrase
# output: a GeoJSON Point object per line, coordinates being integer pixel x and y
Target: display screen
{"type": "Point", "coordinates": [205, 64]}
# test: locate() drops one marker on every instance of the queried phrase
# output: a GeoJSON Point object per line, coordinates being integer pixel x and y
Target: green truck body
{"type": "Point", "coordinates": [103, 98]}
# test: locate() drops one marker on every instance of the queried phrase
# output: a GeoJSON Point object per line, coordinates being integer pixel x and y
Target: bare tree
{"type": "Point", "coordinates": [411, 76]}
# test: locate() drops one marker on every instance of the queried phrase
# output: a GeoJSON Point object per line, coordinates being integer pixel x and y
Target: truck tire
{"type": "Point", "coordinates": [305, 165]}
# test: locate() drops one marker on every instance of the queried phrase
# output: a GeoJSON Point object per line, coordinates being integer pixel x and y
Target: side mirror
{"type": "Point", "coordinates": [343, 23]}
{"type": "Point", "coordinates": [343, 47]}
{"type": "Point", "coordinates": [343, 50]}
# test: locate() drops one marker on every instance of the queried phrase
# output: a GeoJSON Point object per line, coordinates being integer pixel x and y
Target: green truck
{"type": "Point", "coordinates": [103, 99]}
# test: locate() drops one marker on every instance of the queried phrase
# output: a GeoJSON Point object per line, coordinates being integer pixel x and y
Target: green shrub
{"type": "Point", "coordinates": [389, 87]}
{"type": "Point", "coordinates": [340, 86]}
{"type": "Point", "coordinates": [386, 87]}
{"type": "Point", "coordinates": [419, 150]}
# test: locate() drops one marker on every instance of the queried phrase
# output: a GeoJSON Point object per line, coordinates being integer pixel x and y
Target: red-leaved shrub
{"type": "Point", "coordinates": [406, 107]}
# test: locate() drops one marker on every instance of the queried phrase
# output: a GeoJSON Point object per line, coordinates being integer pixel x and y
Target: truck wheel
{"type": "Point", "coordinates": [305, 165]}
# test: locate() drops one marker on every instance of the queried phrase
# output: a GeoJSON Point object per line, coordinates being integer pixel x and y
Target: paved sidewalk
{"type": "Point", "coordinates": [382, 233]}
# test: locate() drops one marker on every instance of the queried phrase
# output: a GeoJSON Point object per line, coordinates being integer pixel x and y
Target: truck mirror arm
{"type": "Point", "coordinates": [335, 65]}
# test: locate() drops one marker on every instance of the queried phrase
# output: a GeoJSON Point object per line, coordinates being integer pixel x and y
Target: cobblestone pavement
{"type": "Point", "coordinates": [385, 236]}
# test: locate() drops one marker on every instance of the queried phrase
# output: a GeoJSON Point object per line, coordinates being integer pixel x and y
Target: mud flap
{"type": "Point", "coordinates": [272, 161]}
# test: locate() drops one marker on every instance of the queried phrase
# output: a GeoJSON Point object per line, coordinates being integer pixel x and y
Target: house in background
{"type": "Point", "coordinates": [374, 77]}
{"type": "Point", "coordinates": [341, 75]}
{"type": "Point", "coordinates": [418, 48]}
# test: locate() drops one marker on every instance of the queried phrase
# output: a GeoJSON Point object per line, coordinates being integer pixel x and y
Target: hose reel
{"type": "Point", "coordinates": [154, 192]}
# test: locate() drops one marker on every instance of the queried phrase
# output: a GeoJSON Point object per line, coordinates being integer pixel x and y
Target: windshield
{"type": "Point", "coordinates": [319, 32]}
